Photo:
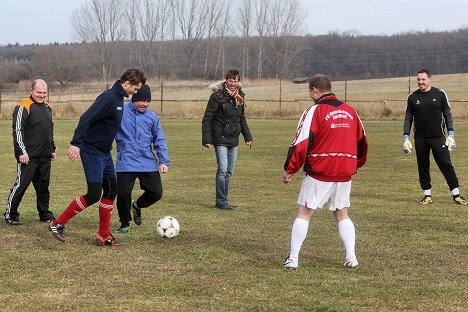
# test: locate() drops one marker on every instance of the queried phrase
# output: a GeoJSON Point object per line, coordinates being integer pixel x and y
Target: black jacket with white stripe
{"type": "Point", "coordinates": [33, 131]}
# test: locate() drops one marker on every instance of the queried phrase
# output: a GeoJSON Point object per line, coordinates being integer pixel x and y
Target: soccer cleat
{"type": "Point", "coordinates": [351, 263]}
{"type": "Point", "coordinates": [136, 212]}
{"type": "Point", "coordinates": [57, 230]}
{"type": "Point", "coordinates": [107, 240]}
{"type": "Point", "coordinates": [427, 199]}
{"type": "Point", "coordinates": [457, 199]}
{"type": "Point", "coordinates": [123, 229]}
{"type": "Point", "coordinates": [13, 220]}
{"type": "Point", "coordinates": [290, 263]}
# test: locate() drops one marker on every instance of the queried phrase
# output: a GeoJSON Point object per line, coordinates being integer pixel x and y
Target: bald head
{"type": "Point", "coordinates": [38, 91]}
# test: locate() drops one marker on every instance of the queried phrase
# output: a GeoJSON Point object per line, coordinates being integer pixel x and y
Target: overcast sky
{"type": "Point", "coordinates": [48, 21]}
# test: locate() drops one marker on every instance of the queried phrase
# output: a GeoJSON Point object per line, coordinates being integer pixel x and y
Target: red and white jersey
{"type": "Point", "coordinates": [330, 142]}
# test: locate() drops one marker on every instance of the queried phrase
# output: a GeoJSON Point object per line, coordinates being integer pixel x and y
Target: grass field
{"type": "Point", "coordinates": [411, 258]}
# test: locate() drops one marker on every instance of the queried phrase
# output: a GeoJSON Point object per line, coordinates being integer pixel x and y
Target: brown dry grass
{"type": "Point", "coordinates": [376, 99]}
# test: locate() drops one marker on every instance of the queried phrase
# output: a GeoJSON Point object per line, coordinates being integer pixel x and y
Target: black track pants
{"type": "Point", "coordinates": [441, 157]}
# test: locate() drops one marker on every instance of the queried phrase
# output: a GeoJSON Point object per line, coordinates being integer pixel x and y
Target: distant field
{"type": "Point", "coordinates": [411, 258]}
{"type": "Point", "coordinates": [376, 99]}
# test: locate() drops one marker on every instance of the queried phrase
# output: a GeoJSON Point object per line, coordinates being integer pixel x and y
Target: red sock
{"type": "Point", "coordinates": [75, 207]}
{"type": "Point", "coordinates": [105, 214]}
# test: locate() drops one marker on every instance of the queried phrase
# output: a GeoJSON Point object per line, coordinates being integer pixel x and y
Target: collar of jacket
{"type": "Point", "coordinates": [133, 108]}
{"type": "Point", "coordinates": [219, 85]}
{"type": "Point", "coordinates": [325, 97]}
{"type": "Point", "coordinates": [119, 89]}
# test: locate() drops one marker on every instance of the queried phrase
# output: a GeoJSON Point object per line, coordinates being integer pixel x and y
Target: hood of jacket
{"type": "Point", "coordinates": [217, 86]}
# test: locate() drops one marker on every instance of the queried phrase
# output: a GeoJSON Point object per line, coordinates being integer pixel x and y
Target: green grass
{"type": "Point", "coordinates": [411, 258]}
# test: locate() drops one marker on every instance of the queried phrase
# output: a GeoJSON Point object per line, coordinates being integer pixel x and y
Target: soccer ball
{"type": "Point", "coordinates": [167, 227]}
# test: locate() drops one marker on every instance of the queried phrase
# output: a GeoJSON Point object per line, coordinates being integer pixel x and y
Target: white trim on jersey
{"type": "Point", "coordinates": [19, 137]}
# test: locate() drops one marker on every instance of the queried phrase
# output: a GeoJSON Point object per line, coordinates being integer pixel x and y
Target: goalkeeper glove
{"type": "Point", "coordinates": [450, 141]}
{"type": "Point", "coordinates": [407, 146]}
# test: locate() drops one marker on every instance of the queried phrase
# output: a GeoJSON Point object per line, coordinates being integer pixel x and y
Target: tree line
{"type": "Point", "coordinates": [202, 39]}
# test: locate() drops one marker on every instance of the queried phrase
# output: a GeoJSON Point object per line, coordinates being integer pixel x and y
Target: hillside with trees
{"type": "Point", "coordinates": [190, 39]}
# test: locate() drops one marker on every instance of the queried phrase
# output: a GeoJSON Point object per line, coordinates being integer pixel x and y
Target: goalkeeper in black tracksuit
{"type": "Point", "coordinates": [429, 108]}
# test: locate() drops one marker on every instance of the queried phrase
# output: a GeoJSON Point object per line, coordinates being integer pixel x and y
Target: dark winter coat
{"type": "Point", "coordinates": [224, 120]}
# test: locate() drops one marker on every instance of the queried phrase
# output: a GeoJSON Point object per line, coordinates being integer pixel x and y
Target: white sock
{"type": "Point", "coordinates": [298, 235]}
{"type": "Point", "coordinates": [427, 192]}
{"type": "Point", "coordinates": [455, 191]}
{"type": "Point", "coordinates": [348, 236]}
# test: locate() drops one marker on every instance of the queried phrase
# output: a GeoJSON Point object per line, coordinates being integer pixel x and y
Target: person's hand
{"type": "Point", "coordinates": [208, 146]}
{"type": "Point", "coordinates": [287, 177]}
{"type": "Point", "coordinates": [163, 168]}
{"type": "Point", "coordinates": [407, 146]}
{"type": "Point", "coordinates": [53, 156]}
{"type": "Point", "coordinates": [24, 159]}
{"type": "Point", "coordinates": [73, 152]}
{"type": "Point", "coordinates": [450, 141]}
{"type": "Point", "coordinates": [249, 143]}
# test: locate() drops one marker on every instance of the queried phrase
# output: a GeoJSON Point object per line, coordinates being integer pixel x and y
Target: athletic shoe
{"type": "Point", "coordinates": [47, 219]}
{"type": "Point", "coordinates": [123, 229]}
{"type": "Point", "coordinates": [351, 263]}
{"type": "Point", "coordinates": [290, 263]}
{"type": "Point", "coordinates": [108, 240]}
{"type": "Point", "coordinates": [427, 199]}
{"type": "Point", "coordinates": [136, 212]}
{"type": "Point", "coordinates": [13, 220]}
{"type": "Point", "coordinates": [57, 230]}
{"type": "Point", "coordinates": [457, 199]}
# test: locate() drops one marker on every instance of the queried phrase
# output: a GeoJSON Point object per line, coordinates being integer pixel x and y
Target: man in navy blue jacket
{"type": "Point", "coordinates": [92, 142]}
{"type": "Point", "coordinates": [139, 138]}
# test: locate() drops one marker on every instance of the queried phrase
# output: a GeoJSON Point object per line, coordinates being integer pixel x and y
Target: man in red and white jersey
{"type": "Point", "coordinates": [330, 144]}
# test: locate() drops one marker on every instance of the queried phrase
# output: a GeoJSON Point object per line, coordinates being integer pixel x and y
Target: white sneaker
{"type": "Point", "coordinates": [290, 263]}
{"type": "Point", "coordinates": [351, 263]}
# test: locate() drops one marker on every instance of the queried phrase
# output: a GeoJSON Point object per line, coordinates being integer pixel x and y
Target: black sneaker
{"type": "Point", "coordinates": [47, 219]}
{"type": "Point", "coordinates": [13, 220]}
{"type": "Point", "coordinates": [57, 230]}
{"type": "Point", "coordinates": [225, 206]}
{"type": "Point", "coordinates": [136, 212]}
{"type": "Point", "coordinates": [123, 229]}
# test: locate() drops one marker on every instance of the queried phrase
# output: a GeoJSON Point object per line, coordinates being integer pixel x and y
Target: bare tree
{"type": "Point", "coordinates": [245, 16]}
{"type": "Point", "coordinates": [56, 63]}
{"type": "Point", "coordinates": [261, 23]}
{"type": "Point", "coordinates": [191, 21]}
{"type": "Point", "coordinates": [285, 17]}
{"type": "Point", "coordinates": [214, 9]}
{"type": "Point", "coordinates": [150, 18]}
{"type": "Point", "coordinates": [222, 34]}
{"type": "Point", "coordinates": [101, 22]}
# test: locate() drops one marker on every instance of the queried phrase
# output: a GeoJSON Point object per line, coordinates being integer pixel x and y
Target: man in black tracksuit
{"type": "Point", "coordinates": [33, 140]}
{"type": "Point", "coordinates": [429, 107]}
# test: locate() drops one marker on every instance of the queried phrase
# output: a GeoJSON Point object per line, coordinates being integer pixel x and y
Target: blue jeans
{"type": "Point", "coordinates": [226, 158]}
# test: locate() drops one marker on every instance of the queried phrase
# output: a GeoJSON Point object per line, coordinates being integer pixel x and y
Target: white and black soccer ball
{"type": "Point", "coordinates": [167, 227]}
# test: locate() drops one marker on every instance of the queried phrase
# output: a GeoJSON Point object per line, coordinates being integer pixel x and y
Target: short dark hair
{"type": "Point", "coordinates": [425, 71]}
{"type": "Point", "coordinates": [232, 73]}
{"type": "Point", "coordinates": [134, 76]}
{"type": "Point", "coordinates": [320, 82]}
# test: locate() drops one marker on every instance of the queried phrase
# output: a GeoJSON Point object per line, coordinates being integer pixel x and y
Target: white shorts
{"type": "Point", "coordinates": [314, 194]}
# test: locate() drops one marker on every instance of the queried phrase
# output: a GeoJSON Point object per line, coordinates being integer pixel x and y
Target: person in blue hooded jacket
{"type": "Point", "coordinates": [141, 153]}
